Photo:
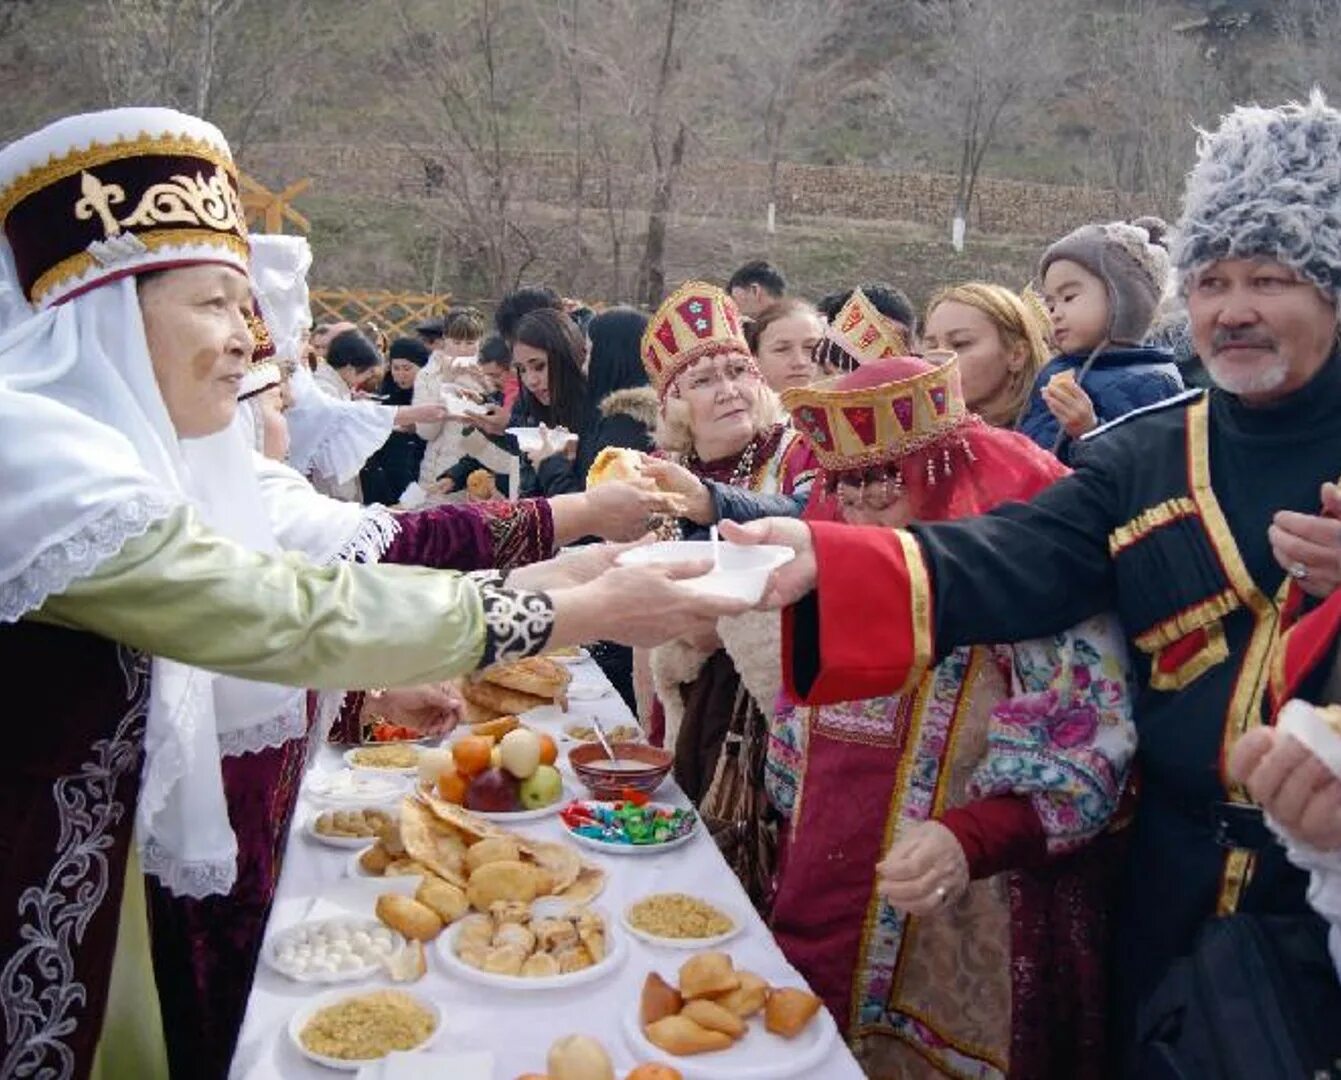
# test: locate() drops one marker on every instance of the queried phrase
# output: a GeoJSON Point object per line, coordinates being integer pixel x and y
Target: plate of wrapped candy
{"type": "Point", "coordinates": [627, 827]}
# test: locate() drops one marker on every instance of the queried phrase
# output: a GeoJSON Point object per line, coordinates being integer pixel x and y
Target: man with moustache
{"type": "Point", "coordinates": [1208, 522]}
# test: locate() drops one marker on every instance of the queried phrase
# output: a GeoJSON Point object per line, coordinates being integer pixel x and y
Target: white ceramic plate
{"type": "Point", "coordinates": [378, 770]}
{"type": "Point", "coordinates": [730, 911]}
{"type": "Point", "coordinates": [634, 849]}
{"type": "Point", "coordinates": [616, 948]}
{"type": "Point", "coordinates": [609, 730]}
{"type": "Point", "coordinates": [348, 787]}
{"type": "Point", "coordinates": [758, 1055]}
{"type": "Point", "coordinates": [307, 1009]}
{"type": "Point", "coordinates": [505, 816]}
{"type": "Point", "coordinates": [274, 946]}
{"type": "Point", "coordinates": [347, 842]}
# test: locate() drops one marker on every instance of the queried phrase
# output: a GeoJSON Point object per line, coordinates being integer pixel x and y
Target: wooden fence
{"type": "Point", "coordinates": [395, 314]}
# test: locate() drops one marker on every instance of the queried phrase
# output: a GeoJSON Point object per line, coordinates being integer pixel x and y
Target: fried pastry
{"type": "Point", "coordinates": [540, 966]}
{"type": "Point", "coordinates": [574, 958]}
{"type": "Point", "coordinates": [375, 860]}
{"type": "Point", "coordinates": [510, 911]}
{"type": "Point", "coordinates": [506, 880]}
{"type": "Point", "coordinates": [746, 999]}
{"type": "Point", "coordinates": [496, 728]}
{"type": "Point", "coordinates": [443, 897]}
{"type": "Point", "coordinates": [659, 999]}
{"type": "Point", "coordinates": [515, 934]}
{"type": "Point", "coordinates": [680, 1036]}
{"type": "Point", "coordinates": [505, 960]}
{"type": "Point", "coordinates": [499, 700]}
{"type": "Point", "coordinates": [707, 974]}
{"type": "Point", "coordinates": [494, 849]}
{"type": "Point", "coordinates": [554, 934]}
{"type": "Point", "coordinates": [475, 931]}
{"type": "Point", "coordinates": [408, 916]}
{"type": "Point", "coordinates": [710, 1015]}
{"type": "Point", "coordinates": [789, 1010]}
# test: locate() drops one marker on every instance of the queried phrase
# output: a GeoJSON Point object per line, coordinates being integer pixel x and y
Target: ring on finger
{"type": "Point", "coordinates": [1298, 571]}
{"type": "Point", "coordinates": [941, 894]}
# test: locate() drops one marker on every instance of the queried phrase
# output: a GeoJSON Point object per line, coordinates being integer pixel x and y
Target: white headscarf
{"type": "Point", "coordinates": [91, 459]}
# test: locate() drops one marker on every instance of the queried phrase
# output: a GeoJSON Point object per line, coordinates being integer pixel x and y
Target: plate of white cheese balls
{"type": "Point", "coordinates": [332, 950]}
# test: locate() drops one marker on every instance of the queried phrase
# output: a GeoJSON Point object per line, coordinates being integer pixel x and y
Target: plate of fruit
{"type": "Point", "coordinates": [509, 778]}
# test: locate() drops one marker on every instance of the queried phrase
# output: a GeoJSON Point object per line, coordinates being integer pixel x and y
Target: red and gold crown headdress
{"type": "Point", "coordinates": [858, 335]}
{"type": "Point", "coordinates": [875, 416]}
{"type": "Point", "coordinates": [695, 321]}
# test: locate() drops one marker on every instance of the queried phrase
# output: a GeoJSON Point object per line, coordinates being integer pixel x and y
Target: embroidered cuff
{"type": "Point", "coordinates": [517, 623]}
{"type": "Point", "coordinates": [483, 578]}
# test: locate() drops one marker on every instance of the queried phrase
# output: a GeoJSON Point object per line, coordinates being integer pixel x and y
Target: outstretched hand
{"type": "Point", "coordinates": [793, 580]}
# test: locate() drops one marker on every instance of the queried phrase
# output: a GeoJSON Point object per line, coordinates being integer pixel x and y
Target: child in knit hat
{"type": "Point", "coordinates": [1102, 284]}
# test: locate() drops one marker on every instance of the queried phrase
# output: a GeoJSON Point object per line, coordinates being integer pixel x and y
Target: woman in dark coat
{"type": "Point", "coordinates": [392, 468]}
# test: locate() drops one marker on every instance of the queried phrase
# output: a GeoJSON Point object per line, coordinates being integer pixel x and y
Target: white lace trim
{"type": "Point", "coordinates": [377, 530]}
{"type": "Point", "coordinates": [78, 556]}
{"type": "Point", "coordinates": [194, 879]}
{"type": "Point", "coordinates": [42, 999]}
{"type": "Point", "coordinates": [284, 727]}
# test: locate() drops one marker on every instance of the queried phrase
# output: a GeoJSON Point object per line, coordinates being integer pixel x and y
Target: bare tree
{"type": "Point", "coordinates": [230, 61]}
{"type": "Point", "coordinates": [780, 56]}
{"type": "Point", "coordinates": [1306, 53]}
{"type": "Point", "coordinates": [1139, 108]}
{"type": "Point", "coordinates": [982, 65]}
{"type": "Point", "coordinates": [459, 114]}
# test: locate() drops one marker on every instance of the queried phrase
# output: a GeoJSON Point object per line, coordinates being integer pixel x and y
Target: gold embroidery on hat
{"type": "Point", "coordinates": [186, 200]}
{"type": "Point", "coordinates": [98, 153]}
{"type": "Point", "coordinates": [99, 198]}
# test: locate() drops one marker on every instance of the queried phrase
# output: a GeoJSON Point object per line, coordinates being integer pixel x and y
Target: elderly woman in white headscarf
{"type": "Point", "coordinates": [124, 237]}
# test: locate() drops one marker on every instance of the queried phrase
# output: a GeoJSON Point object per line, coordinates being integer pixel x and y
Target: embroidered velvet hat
{"type": "Point", "coordinates": [103, 195]}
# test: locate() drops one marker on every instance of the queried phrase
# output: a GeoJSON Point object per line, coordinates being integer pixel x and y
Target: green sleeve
{"type": "Point", "coordinates": [185, 594]}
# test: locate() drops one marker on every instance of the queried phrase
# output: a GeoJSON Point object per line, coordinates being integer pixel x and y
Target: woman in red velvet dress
{"type": "Point", "coordinates": [905, 812]}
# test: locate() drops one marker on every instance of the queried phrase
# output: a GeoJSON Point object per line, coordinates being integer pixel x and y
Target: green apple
{"type": "Point", "coordinates": [541, 788]}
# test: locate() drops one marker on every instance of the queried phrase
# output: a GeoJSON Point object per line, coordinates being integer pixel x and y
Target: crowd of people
{"type": "Point", "coordinates": [997, 758]}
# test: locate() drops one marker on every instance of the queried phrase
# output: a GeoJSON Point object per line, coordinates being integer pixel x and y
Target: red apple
{"type": "Point", "coordinates": [493, 791]}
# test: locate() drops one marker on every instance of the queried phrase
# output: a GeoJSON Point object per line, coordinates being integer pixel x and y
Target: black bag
{"type": "Point", "coordinates": [1258, 999]}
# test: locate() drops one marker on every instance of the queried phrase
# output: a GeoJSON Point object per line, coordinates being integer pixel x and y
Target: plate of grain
{"type": "Point", "coordinates": [344, 1030]}
{"type": "Point", "coordinates": [681, 921]}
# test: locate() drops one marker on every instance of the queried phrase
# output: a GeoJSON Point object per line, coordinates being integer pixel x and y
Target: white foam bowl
{"type": "Point", "coordinates": [532, 438]}
{"type": "Point", "coordinates": [744, 569]}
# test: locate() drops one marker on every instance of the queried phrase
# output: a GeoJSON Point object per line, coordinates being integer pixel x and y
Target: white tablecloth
{"type": "Point", "coordinates": [517, 1027]}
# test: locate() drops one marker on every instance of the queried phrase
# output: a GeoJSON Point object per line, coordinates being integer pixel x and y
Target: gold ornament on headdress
{"type": "Point", "coordinates": [877, 425]}
{"type": "Point", "coordinates": [858, 335]}
{"type": "Point", "coordinates": [695, 321]}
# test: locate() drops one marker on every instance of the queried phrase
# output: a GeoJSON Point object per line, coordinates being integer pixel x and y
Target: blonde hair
{"type": "Point", "coordinates": [1018, 324]}
{"type": "Point", "coordinates": [675, 433]}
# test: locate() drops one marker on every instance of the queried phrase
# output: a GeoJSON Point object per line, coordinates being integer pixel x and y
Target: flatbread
{"type": "Point", "coordinates": [471, 827]}
{"type": "Point", "coordinates": [559, 861]}
{"type": "Point", "coordinates": [499, 699]}
{"type": "Point", "coordinates": [590, 884]}
{"type": "Point", "coordinates": [534, 675]}
{"type": "Point", "coordinates": [432, 843]}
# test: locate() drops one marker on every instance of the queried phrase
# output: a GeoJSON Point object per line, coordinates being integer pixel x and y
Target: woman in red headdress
{"type": "Point", "coordinates": [898, 896]}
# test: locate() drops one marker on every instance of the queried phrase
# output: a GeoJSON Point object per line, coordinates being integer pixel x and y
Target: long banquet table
{"type": "Point", "coordinates": [516, 1027]}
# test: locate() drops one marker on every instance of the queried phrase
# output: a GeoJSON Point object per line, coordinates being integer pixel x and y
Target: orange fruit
{"type": "Point", "coordinates": [655, 1072]}
{"type": "Point", "coordinates": [472, 754]}
{"type": "Point", "coordinates": [452, 787]}
{"type": "Point", "coordinates": [549, 749]}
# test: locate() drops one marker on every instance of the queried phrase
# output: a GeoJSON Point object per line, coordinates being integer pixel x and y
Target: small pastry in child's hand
{"type": "Point", "coordinates": [712, 1016]}
{"type": "Point", "coordinates": [789, 1010]}
{"type": "Point", "coordinates": [707, 974]}
{"type": "Point", "coordinates": [659, 999]}
{"type": "Point", "coordinates": [680, 1036]}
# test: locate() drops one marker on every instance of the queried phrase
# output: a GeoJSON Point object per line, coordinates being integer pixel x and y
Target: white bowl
{"type": "Point", "coordinates": [309, 1008]}
{"type": "Point", "coordinates": [744, 570]}
{"type": "Point", "coordinates": [729, 910]}
{"type": "Point", "coordinates": [532, 438]}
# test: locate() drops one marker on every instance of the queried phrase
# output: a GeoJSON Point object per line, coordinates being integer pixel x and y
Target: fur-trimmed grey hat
{"type": "Point", "coordinates": [1267, 183]}
{"type": "Point", "coordinates": [1129, 258]}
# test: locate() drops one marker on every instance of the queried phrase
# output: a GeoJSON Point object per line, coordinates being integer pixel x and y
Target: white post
{"type": "Point", "coordinates": [957, 233]}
